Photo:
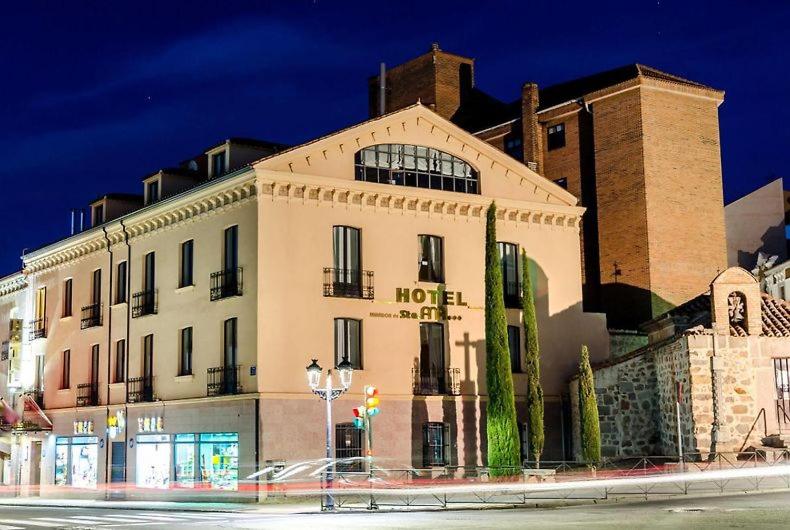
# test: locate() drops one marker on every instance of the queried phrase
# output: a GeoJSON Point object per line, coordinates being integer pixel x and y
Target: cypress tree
{"type": "Point", "coordinates": [588, 412]}
{"type": "Point", "coordinates": [534, 390]}
{"type": "Point", "coordinates": [502, 429]}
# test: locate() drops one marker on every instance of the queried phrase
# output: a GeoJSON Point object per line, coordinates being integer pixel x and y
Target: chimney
{"type": "Point", "coordinates": [531, 130]}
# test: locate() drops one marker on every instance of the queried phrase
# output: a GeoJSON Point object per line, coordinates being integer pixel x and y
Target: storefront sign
{"type": "Point", "coordinates": [83, 427]}
{"type": "Point", "coordinates": [116, 423]}
{"type": "Point", "coordinates": [438, 301]}
{"type": "Point", "coordinates": [151, 424]}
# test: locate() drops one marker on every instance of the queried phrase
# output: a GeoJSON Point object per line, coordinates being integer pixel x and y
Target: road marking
{"type": "Point", "coordinates": [26, 522]}
{"type": "Point", "coordinates": [59, 521]}
{"type": "Point", "coordinates": [136, 518]}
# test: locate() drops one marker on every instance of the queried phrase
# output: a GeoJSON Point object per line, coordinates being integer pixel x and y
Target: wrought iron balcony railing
{"type": "Point", "coordinates": [144, 303]}
{"type": "Point", "coordinates": [88, 394]}
{"type": "Point", "coordinates": [436, 382]}
{"type": "Point", "coordinates": [226, 283]}
{"type": "Point", "coordinates": [348, 283]}
{"type": "Point", "coordinates": [223, 380]}
{"type": "Point", "coordinates": [38, 329]}
{"type": "Point", "coordinates": [91, 316]}
{"type": "Point", "coordinates": [141, 389]}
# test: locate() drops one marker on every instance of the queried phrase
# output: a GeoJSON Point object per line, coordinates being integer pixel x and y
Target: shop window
{"type": "Point", "coordinates": [153, 461]}
{"type": "Point", "coordinates": [436, 440]}
{"type": "Point", "coordinates": [556, 136]}
{"type": "Point", "coordinates": [185, 460]}
{"type": "Point", "coordinates": [431, 259]}
{"type": "Point", "coordinates": [348, 341]}
{"type": "Point", "coordinates": [76, 461]}
{"type": "Point", "coordinates": [514, 345]}
{"type": "Point", "coordinates": [219, 460]}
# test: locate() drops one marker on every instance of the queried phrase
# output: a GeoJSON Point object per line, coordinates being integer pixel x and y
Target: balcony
{"type": "Point", "coordinates": [144, 303]}
{"type": "Point", "coordinates": [141, 389]}
{"type": "Point", "coordinates": [88, 394]}
{"type": "Point", "coordinates": [38, 329]}
{"type": "Point", "coordinates": [348, 283]}
{"type": "Point", "coordinates": [226, 283]}
{"type": "Point", "coordinates": [223, 380]}
{"type": "Point", "coordinates": [91, 316]}
{"type": "Point", "coordinates": [436, 382]}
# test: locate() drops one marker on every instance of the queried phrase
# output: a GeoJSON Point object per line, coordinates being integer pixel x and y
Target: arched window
{"type": "Point", "coordinates": [415, 166]}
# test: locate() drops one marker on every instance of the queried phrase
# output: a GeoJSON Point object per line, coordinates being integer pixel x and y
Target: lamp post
{"type": "Point", "coordinates": [329, 394]}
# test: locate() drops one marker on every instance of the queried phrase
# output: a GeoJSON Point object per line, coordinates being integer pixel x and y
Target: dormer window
{"type": "Point", "coordinates": [98, 215]}
{"type": "Point", "coordinates": [152, 192]}
{"type": "Point", "coordinates": [218, 164]}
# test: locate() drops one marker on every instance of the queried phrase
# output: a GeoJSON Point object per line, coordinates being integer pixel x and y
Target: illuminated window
{"type": "Point", "coordinates": [415, 166]}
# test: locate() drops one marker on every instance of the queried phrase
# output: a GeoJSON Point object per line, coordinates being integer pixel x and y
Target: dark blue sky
{"type": "Point", "coordinates": [94, 95]}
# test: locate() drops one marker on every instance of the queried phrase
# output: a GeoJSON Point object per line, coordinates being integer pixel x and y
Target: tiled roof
{"type": "Point", "coordinates": [694, 316]}
{"type": "Point", "coordinates": [577, 88]}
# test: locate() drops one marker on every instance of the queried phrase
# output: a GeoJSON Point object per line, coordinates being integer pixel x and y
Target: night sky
{"type": "Point", "coordinates": [95, 95]}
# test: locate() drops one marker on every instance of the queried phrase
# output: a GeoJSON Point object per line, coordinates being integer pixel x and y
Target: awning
{"type": "Point", "coordinates": [32, 419]}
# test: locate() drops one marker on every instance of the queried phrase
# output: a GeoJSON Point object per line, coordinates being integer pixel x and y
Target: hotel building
{"type": "Point", "coordinates": [166, 345]}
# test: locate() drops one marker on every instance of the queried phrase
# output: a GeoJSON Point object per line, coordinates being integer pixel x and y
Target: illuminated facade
{"type": "Point", "coordinates": [174, 335]}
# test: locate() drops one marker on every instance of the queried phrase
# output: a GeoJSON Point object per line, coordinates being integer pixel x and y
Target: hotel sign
{"type": "Point", "coordinates": [437, 302]}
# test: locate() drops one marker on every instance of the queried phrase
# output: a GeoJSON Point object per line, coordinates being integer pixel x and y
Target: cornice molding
{"type": "Point", "coordinates": [12, 285]}
{"type": "Point", "coordinates": [339, 193]}
{"type": "Point", "coordinates": [191, 208]}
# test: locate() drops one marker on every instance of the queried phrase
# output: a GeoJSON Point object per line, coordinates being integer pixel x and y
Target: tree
{"type": "Point", "coordinates": [588, 411]}
{"type": "Point", "coordinates": [504, 457]}
{"type": "Point", "coordinates": [534, 390]}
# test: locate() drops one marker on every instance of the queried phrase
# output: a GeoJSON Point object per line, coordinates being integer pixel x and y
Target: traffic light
{"type": "Point", "coordinates": [372, 400]}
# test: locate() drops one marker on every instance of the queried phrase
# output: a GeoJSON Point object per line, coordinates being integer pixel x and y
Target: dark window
{"type": "Point", "coordinates": [231, 251]}
{"type": "Point", "coordinates": [149, 275]}
{"type": "Point", "coordinates": [508, 255]}
{"type": "Point", "coordinates": [185, 276]}
{"type": "Point", "coordinates": [513, 147]}
{"type": "Point", "coordinates": [95, 364]}
{"type": "Point", "coordinates": [65, 374]}
{"type": "Point", "coordinates": [118, 465]}
{"type": "Point", "coordinates": [514, 345]}
{"type": "Point", "coordinates": [120, 361]}
{"type": "Point", "coordinates": [98, 214]}
{"type": "Point", "coordinates": [432, 359]}
{"type": "Point", "coordinates": [67, 298]}
{"type": "Point", "coordinates": [121, 283]}
{"type": "Point", "coordinates": [348, 444]}
{"type": "Point", "coordinates": [152, 192]}
{"type": "Point", "coordinates": [431, 259]}
{"type": "Point", "coordinates": [186, 352]}
{"type": "Point", "coordinates": [436, 444]}
{"type": "Point", "coordinates": [148, 357]}
{"type": "Point", "coordinates": [346, 261]}
{"type": "Point", "coordinates": [230, 353]}
{"type": "Point", "coordinates": [348, 341]}
{"type": "Point", "coordinates": [218, 166]}
{"type": "Point", "coordinates": [563, 183]}
{"type": "Point", "coordinates": [96, 287]}
{"type": "Point", "coordinates": [415, 166]}
{"type": "Point", "coordinates": [556, 136]}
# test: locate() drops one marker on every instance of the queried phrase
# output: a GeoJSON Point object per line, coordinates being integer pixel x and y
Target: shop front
{"type": "Point", "coordinates": [77, 461]}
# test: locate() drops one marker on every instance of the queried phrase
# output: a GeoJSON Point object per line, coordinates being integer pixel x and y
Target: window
{"type": "Point", "coordinates": [40, 322]}
{"type": "Point", "coordinates": [98, 215]}
{"type": "Point", "coordinates": [433, 374]}
{"type": "Point", "coordinates": [148, 357]}
{"type": "Point", "coordinates": [186, 352]}
{"type": "Point", "coordinates": [431, 259]}
{"type": "Point", "coordinates": [436, 444]}
{"type": "Point", "coordinates": [562, 183]}
{"type": "Point", "coordinates": [65, 370]}
{"type": "Point", "coordinates": [96, 287]}
{"type": "Point", "coordinates": [508, 255]}
{"type": "Point", "coordinates": [346, 262]}
{"type": "Point", "coordinates": [152, 192]}
{"type": "Point", "coordinates": [230, 354]}
{"type": "Point", "coordinates": [415, 166]}
{"type": "Point", "coordinates": [121, 283]}
{"type": "Point", "coordinates": [95, 364]}
{"type": "Point", "coordinates": [185, 276]}
{"type": "Point", "coordinates": [556, 136]}
{"type": "Point", "coordinates": [218, 166]}
{"type": "Point", "coordinates": [67, 298]}
{"type": "Point", "coordinates": [231, 252]}
{"type": "Point", "coordinates": [514, 345]}
{"type": "Point", "coordinates": [149, 272]}
{"type": "Point", "coordinates": [349, 444]}
{"type": "Point", "coordinates": [513, 148]}
{"type": "Point", "coordinates": [348, 341]}
{"type": "Point", "coordinates": [120, 361]}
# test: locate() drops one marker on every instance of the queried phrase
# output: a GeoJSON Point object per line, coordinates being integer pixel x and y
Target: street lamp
{"type": "Point", "coordinates": [329, 394]}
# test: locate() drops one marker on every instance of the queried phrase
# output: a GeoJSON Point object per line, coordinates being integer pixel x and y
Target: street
{"type": "Point", "coordinates": [765, 510]}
